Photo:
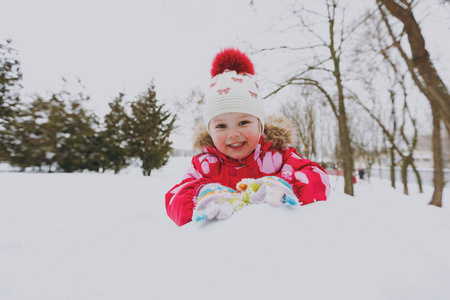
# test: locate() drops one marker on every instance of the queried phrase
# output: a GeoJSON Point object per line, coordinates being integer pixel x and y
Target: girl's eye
{"type": "Point", "coordinates": [244, 122]}
{"type": "Point", "coordinates": [221, 126]}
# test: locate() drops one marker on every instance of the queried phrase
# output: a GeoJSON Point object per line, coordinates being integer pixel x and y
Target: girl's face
{"type": "Point", "coordinates": [235, 134]}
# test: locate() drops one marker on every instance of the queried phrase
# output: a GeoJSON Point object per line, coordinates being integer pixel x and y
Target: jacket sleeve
{"type": "Point", "coordinates": [308, 179]}
{"type": "Point", "coordinates": [180, 200]}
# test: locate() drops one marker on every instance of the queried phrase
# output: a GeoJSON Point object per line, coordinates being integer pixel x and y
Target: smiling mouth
{"type": "Point", "coordinates": [235, 145]}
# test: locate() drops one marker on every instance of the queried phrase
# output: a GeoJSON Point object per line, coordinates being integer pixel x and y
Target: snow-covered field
{"type": "Point", "coordinates": [104, 236]}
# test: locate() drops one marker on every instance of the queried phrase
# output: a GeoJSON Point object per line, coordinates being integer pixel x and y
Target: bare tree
{"type": "Point", "coordinates": [425, 76]}
{"type": "Point", "coordinates": [303, 118]}
{"type": "Point", "coordinates": [191, 106]}
{"type": "Point", "coordinates": [387, 69]}
{"type": "Point", "coordinates": [395, 144]}
{"type": "Point", "coordinates": [327, 64]}
{"type": "Point", "coordinates": [367, 140]}
{"type": "Point", "coordinates": [189, 109]}
{"type": "Point", "coordinates": [420, 63]}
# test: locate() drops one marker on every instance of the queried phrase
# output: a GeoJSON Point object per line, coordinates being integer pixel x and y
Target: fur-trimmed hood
{"type": "Point", "coordinates": [278, 130]}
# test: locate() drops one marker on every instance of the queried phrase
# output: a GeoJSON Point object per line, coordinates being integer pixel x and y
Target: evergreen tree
{"type": "Point", "coordinates": [149, 130]}
{"type": "Point", "coordinates": [57, 133]}
{"type": "Point", "coordinates": [76, 137]}
{"type": "Point", "coordinates": [27, 137]}
{"type": "Point", "coordinates": [114, 137]}
{"type": "Point", "coordinates": [95, 156]}
{"type": "Point", "coordinates": [10, 77]}
{"type": "Point", "coordinates": [35, 134]}
{"type": "Point", "coordinates": [53, 116]}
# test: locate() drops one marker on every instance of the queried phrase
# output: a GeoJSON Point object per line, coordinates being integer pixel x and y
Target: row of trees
{"type": "Point", "coordinates": [367, 72]}
{"type": "Point", "coordinates": [57, 133]}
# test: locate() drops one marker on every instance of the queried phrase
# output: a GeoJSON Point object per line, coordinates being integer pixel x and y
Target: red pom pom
{"type": "Point", "coordinates": [232, 59]}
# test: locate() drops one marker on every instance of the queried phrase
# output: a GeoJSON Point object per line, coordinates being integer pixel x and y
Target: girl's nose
{"type": "Point", "coordinates": [234, 133]}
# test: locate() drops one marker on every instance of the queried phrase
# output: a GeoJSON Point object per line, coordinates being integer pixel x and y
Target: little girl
{"type": "Point", "coordinates": [245, 158]}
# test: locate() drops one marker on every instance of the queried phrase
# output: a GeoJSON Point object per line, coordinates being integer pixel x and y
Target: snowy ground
{"type": "Point", "coordinates": [103, 236]}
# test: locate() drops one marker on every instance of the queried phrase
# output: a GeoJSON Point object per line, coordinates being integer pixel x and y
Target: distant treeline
{"type": "Point", "coordinates": [58, 134]}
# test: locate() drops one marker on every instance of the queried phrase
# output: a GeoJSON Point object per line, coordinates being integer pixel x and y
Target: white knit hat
{"type": "Point", "coordinates": [233, 88]}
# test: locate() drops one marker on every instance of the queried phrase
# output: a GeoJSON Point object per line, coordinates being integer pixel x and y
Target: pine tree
{"type": "Point", "coordinates": [28, 148]}
{"type": "Point", "coordinates": [150, 128]}
{"type": "Point", "coordinates": [10, 77]}
{"type": "Point", "coordinates": [76, 137]}
{"type": "Point", "coordinates": [56, 133]}
{"type": "Point", "coordinates": [34, 135]}
{"type": "Point", "coordinates": [114, 137]}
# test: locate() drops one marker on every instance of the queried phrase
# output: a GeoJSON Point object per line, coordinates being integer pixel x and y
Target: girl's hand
{"type": "Point", "coordinates": [216, 202]}
{"type": "Point", "coordinates": [270, 189]}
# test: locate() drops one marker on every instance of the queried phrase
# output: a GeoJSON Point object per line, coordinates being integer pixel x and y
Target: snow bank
{"type": "Point", "coordinates": [104, 236]}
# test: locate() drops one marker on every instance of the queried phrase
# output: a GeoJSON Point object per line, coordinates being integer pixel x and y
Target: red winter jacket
{"type": "Point", "coordinates": [272, 156]}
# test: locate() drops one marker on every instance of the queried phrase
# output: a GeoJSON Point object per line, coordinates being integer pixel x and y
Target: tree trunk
{"type": "Point", "coordinates": [347, 155]}
{"type": "Point", "coordinates": [392, 154]}
{"type": "Point", "coordinates": [405, 176]}
{"type": "Point", "coordinates": [438, 179]}
{"type": "Point", "coordinates": [369, 171]}
{"type": "Point", "coordinates": [421, 60]}
{"type": "Point", "coordinates": [419, 180]}
{"type": "Point", "coordinates": [380, 172]}
{"type": "Point", "coordinates": [344, 135]}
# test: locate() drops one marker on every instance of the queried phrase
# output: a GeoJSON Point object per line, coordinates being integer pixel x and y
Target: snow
{"type": "Point", "coordinates": [105, 236]}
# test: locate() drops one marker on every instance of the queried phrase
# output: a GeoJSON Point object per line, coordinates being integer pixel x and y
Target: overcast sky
{"type": "Point", "coordinates": [115, 46]}
{"type": "Point", "coordinates": [119, 46]}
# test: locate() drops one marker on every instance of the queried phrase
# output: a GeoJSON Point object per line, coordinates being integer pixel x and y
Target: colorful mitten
{"type": "Point", "coordinates": [270, 189]}
{"type": "Point", "coordinates": [216, 201]}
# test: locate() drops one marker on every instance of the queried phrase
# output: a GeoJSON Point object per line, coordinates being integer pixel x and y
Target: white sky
{"type": "Point", "coordinates": [119, 46]}
{"type": "Point", "coordinates": [115, 46]}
